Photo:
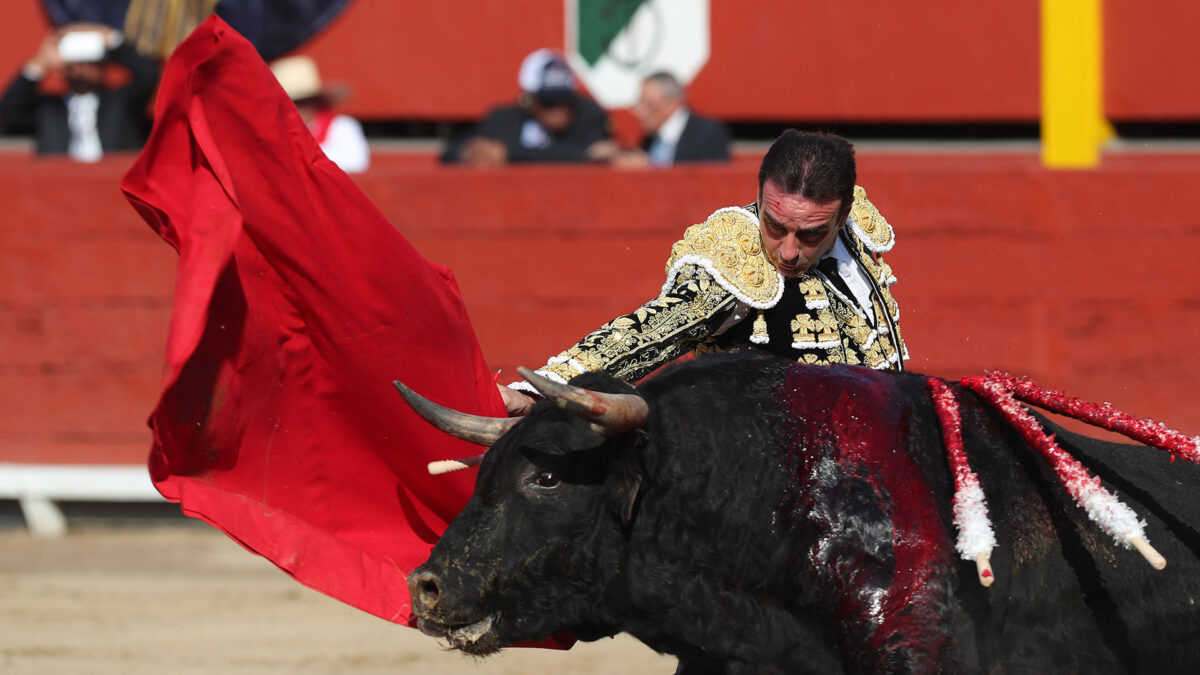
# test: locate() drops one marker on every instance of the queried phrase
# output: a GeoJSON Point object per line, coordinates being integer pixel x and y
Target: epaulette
{"type": "Point", "coordinates": [868, 225]}
{"type": "Point", "coordinates": [728, 245]}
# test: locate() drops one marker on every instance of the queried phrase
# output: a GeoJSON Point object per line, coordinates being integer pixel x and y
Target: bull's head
{"type": "Point", "coordinates": [552, 487]}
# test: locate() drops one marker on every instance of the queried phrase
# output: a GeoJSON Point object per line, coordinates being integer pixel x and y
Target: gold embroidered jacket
{"type": "Point", "coordinates": [718, 278]}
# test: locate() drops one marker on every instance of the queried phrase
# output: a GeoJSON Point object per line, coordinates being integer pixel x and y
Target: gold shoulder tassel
{"type": "Point", "coordinates": [759, 335]}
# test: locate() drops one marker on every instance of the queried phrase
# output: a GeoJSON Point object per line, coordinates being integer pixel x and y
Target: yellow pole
{"type": "Point", "coordinates": [1073, 123]}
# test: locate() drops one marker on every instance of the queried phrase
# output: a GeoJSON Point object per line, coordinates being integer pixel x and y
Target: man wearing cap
{"type": "Point", "coordinates": [550, 123]}
{"type": "Point", "coordinates": [798, 273]}
{"type": "Point", "coordinates": [89, 119]}
{"type": "Point", "coordinates": [340, 136]}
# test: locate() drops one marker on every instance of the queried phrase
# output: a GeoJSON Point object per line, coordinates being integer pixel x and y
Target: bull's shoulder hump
{"type": "Point", "coordinates": [728, 246]}
{"type": "Point", "coordinates": [869, 225]}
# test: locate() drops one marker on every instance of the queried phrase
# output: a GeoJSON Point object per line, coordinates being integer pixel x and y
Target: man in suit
{"type": "Point", "coordinates": [673, 133]}
{"type": "Point", "coordinates": [89, 118]}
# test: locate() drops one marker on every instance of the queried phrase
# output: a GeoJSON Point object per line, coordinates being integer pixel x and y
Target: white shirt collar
{"type": "Point", "coordinates": [840, 253]}
{"type": "Point", "coordinates": [672, 129]}
{"type": "Point", "coordinates": [853, 275]}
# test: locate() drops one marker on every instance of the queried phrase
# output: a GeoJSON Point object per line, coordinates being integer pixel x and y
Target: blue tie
{"type": "Point", "coordinates": [661, 153]}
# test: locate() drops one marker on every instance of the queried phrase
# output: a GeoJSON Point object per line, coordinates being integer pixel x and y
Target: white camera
{"type": "Point", "coordinates": [81, 46]}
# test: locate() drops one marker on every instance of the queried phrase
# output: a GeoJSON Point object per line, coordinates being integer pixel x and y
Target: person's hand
{"type": "Point", "coordinates": [46, 57]}
{"type": "Point", "coordinates": [87, 26]}
{"type": "Point", "coordinates": [631, 159]}
{"type": "Point", "coordinates": [484, 152]}
{"type": "Point", "coordinates": [602, 151]}
{"type": "Point", "coordinates": [516, 403]}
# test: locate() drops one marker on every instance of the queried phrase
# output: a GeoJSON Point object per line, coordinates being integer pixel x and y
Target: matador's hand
{"type": "Point", "coordinates": [516, 403]}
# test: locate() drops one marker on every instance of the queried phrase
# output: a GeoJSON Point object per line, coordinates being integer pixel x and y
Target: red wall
{"type": "Point", "coordinates": [771, 60]}
{"type": "Point", "coordinates": [85, 291]}
{"type": "Point", "coordinates": [1073, 278]}
{"type": "Point", "coordinates": [1151, 52]}
{"type": "Point", "coordinates": [856, 60]}
{"type": "Point", "coordinates": [21, 32]}
{"type": "Point", "coordinates": [872, 60]}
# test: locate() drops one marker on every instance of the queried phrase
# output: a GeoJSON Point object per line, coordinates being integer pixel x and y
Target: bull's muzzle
{"type": "Point", "coordinates": [425, 590]}
{"type": "Point", "coordinates": [473, 635]}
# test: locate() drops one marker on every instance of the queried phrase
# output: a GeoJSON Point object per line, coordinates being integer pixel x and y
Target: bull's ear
{"type": "Point", "coordinates": [627, 476]}
{"type": "Point", "coordinates": [627, 493]}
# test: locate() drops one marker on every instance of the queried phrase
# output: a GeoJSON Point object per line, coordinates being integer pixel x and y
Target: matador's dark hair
{"type": "Point", "coordinates": [817, 166]}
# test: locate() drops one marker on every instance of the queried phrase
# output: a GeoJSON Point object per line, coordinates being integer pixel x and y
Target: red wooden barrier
{"type": "Point", "coordinates": [1072, 278]}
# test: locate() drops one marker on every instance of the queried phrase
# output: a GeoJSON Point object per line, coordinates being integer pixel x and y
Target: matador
{"type": "Point", "coordinates": [799, 273]}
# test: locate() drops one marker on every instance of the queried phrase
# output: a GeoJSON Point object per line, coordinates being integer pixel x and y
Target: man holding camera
{"type": "Point", "coordinates": [63, 94]}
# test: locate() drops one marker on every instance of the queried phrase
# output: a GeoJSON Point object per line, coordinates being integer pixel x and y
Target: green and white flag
{"type": "Point", "coordinates": [613, 44]}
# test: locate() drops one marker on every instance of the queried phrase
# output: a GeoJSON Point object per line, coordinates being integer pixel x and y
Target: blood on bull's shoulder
{"type": "Point", "coordinates": [757, 515]}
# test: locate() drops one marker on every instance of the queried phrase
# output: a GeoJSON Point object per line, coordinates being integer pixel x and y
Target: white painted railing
{"type": "Point", "coordinates": [37, 487]}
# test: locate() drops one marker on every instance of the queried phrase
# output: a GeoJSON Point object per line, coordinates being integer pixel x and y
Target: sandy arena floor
{"type": "Point", "coordinates": [185, 599]}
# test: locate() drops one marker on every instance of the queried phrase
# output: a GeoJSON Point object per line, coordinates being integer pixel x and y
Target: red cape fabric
{"type": "Point", "coordinates": [296, 305]}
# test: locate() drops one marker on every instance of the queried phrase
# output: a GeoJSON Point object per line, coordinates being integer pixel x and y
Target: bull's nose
{"type": "Point", "coordinates": [424, 589]}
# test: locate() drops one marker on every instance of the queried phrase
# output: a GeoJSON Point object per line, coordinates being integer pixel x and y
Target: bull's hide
{"type": "Point", "coordinates": [776, 517]}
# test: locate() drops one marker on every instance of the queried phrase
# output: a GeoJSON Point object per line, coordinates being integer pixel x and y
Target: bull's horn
{"type": "Point", "coordinates": [473, 428]}
{"type": "Point", "coordinates": [611, 413]}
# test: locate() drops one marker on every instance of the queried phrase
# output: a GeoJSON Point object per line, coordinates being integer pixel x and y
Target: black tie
{"type": "Point", "coordinates": [829, 267]}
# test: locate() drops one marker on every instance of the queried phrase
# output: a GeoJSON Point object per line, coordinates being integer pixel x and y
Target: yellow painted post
{"type": "Point", "coordinates": [1073, 123]}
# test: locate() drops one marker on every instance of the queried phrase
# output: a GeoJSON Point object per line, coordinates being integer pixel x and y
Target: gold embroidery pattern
{"type": "Point", "coordinates": [720, 263]}
{"type": "Point", "coordinates": [871, 222]}
{"type": "Point", "coordinates": [832, 331]}
{"type": "Point", "coordinates": [802, 329]}
{"type": "Point", "coordinates": [820, 332]}
{"type": "Point", "coordinates": [631, 346]}
{"type": "Point", "coordinates": [814, 292]}
{"type": "Point", "coordinates": [860, 338]}
{"type": "Point", "coordinates": [730, 242]}
{"type": "Point", "coordinates": [858, 330]}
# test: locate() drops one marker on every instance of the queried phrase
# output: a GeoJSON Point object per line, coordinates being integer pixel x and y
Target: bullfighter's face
{"type": "Point", "coordinates": [796, 232]}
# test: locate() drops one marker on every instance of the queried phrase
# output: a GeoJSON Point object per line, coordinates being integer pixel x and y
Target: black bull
{"type": "Point", "coordinates": [776, 517]}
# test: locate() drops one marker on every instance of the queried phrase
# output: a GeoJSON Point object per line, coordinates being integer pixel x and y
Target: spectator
{"type": "Point", "coordinates": [340, 136]}
{"type": "Point", "coordinates": [673, 134]}
{"type": "Point", "coordinates": [551, 122]}
{"type": "Point", "coordinates": [89, 118]}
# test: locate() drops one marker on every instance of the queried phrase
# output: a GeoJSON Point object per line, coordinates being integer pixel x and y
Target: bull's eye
{"type": "Point", "coordinates": [547, 479]}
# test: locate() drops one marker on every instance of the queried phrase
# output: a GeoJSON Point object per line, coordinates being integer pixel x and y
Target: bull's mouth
{"type": "Point", "coordinates": [474, 638]}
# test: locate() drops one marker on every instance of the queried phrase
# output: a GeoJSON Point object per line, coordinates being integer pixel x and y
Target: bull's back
{"type": "Point", "coordinates": [1066, 598]}
{"type": "Point", "coordinates": [1066, 595]}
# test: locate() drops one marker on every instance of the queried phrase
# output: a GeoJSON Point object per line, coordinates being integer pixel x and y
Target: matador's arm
{"type": "Point", "coordinates": [629, 347]}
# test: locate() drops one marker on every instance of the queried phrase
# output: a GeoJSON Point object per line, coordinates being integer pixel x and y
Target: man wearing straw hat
{"type": "Point", "coordinates": [340, 136]}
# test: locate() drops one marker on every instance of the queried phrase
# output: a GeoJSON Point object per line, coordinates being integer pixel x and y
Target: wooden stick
{"type": "Point", "coordinates": [1152, 556]}
{"type": "Point", "coordinates": [984, 567]}
{"type": "Point", "coordinates": [448, 465]}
